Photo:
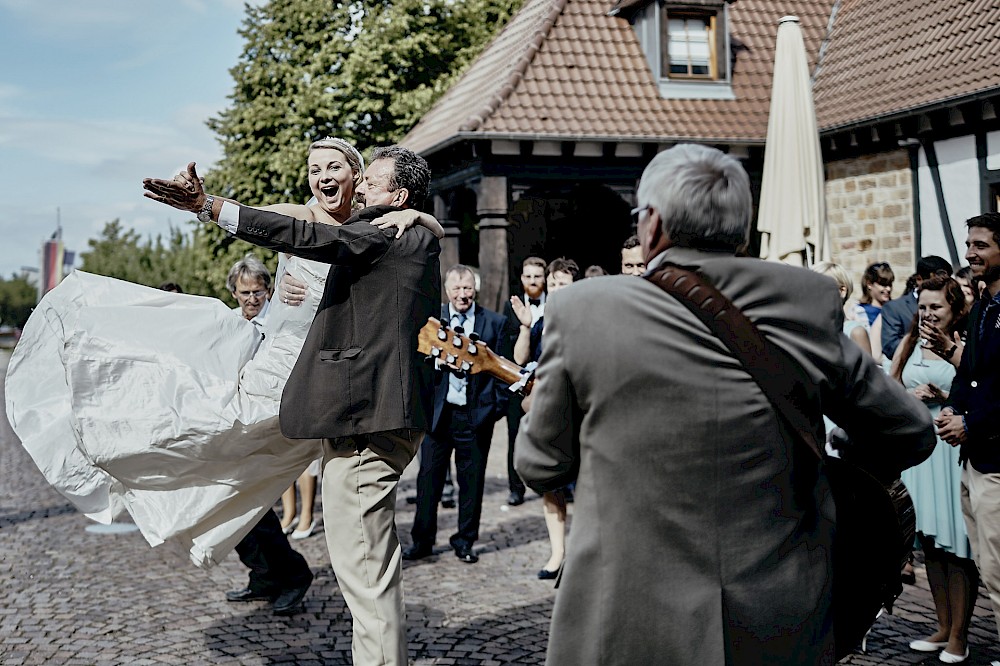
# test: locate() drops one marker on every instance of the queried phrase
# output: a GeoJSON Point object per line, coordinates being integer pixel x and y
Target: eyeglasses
{"type": "Point", "coordinates": [636, 213]}
{"type": "Point", "coordinates": [260, 293]}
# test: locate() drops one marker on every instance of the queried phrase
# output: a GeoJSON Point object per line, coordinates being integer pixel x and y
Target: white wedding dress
{"type": "Point", "coordinates": [162, 404]}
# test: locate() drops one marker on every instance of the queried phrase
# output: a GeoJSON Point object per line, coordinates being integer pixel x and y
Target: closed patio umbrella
{"type": "Point", "coordinates": [792, 214]}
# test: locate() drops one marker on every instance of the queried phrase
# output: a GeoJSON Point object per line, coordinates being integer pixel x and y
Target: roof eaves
{"type": "Point", "coordinates": [460, 136]}
{"type": "Point", "coordinates": [913, 110]}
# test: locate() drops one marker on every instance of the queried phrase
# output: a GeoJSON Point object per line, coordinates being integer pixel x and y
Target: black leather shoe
{"type": "Point", "coordinates": [545, 574]}
{"type": "Point", "coordinates": [416, 553]}
{"type": "Point", "coordinates": [249, 594]}
{"type": "Point", "coordinates": [448, 503]}
{"type": "Point", "coordinates": [289, 602]}
{"type": "Point", "coordinates": [465, 554]}
{"type": "Point", "coordinates": [515, 498]}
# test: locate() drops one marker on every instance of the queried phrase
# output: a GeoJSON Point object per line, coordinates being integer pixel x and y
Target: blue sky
{"type": "Point", "coordinates": [95, 96]}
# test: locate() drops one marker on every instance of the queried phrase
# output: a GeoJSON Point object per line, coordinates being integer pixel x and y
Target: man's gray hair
{"type": "Point", "coordinates": [702, 195]}
{"type": "Point", "coordinates": [249, 268]}
{"type": "Point", "coordinates": [459, 269]}
{"type": "Point", "coordinates": [411, 172]}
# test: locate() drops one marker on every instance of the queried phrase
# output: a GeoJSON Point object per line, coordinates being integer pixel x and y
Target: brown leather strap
{"type": "Point", "coordinates": [780, 378]}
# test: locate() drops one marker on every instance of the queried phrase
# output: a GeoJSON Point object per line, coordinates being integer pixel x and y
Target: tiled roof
{"type": "Point", "coordinates": [565, 69]}
{"type": "Point", "coordinates": [884, 58]}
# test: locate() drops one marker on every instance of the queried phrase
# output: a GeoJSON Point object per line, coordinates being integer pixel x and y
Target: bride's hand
{"type": "Point", "coordinates": [404, 219]}
{"type": "Point", "coordinates": [291, 291]}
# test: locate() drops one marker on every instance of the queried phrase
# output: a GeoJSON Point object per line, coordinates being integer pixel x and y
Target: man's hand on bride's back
{"type": "Point", "coordinates": [291, 291]}
{"type": "Point", "coordinates": [404, 219]}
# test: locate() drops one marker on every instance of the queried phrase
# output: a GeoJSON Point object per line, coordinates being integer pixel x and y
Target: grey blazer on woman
{"type": "Point", "coordinates": [359, 371]}
{"type": "Point", "coordinates": [699, 535]}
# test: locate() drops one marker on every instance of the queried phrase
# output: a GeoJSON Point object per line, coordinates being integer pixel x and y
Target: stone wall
{"type": "Point", "coordinates": [869, 206]}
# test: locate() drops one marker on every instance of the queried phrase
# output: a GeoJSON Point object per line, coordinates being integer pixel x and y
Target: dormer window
{"type": "Point", "coordinates": [686, 45]}
{"type": "Point", "coordinates": [689, 45]}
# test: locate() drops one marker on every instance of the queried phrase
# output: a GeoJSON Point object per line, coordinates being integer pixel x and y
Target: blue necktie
{"type": "Point", "coordinates": [456, 388]}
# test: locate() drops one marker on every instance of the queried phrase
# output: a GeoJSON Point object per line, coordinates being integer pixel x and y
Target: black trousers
{"type": "Point", "coordinates": [514, 416]}
{"type": "Point", "coordinates": [273, 564]}
{"type": "Point", "coordinates": [471, 447]}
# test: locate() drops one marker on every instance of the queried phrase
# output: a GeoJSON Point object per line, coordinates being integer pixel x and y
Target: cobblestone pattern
{"type": "Point", "coordinates": [68, 596]}
{"type": "Point", "coordinates": [869, 207]}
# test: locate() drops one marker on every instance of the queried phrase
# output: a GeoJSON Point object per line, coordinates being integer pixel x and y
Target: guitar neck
{"type": "Point", "coordinates": [503, 369]}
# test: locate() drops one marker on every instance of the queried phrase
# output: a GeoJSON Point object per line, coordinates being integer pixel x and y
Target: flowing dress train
{"type": "Point", "coordinates": [161, 404]}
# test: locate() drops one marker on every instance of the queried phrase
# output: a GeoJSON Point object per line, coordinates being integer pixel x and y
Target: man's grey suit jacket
{"type": "Point", "coordinates": [700, 534]}
{"type": "Point", "coordinates": [359, 371]}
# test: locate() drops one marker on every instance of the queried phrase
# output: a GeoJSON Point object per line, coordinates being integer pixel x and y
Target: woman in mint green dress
{"type": "Point", "coordinates": [925, 363]}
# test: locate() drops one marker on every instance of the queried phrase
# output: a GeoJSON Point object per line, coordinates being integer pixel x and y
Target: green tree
{"type": "Point", "coordinates": [193, 260]}
{"type": "Point", "coordinates": [407, 55]}
{"type": "Point", "coordinates": [17, 298]}
{"type": "Point", "coordinates": [287, 84]}
{"type": "Point", "coordinates": [365, 71]}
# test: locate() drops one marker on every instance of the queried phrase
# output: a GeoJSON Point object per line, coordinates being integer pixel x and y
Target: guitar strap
{"type": "Point", "coordinates": [780, 378]}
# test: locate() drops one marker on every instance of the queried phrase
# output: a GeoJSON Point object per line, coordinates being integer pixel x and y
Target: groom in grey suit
{"type": "Point", "coordinates": [719, 553]}
{"type": "Point", "coordinates": [358, 383]}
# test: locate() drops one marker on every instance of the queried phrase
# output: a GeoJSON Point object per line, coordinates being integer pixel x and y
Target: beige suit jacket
{"type": "Point", "coordinates": [699, 536]}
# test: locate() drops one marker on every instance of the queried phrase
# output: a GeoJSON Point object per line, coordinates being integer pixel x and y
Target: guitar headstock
{"type": "Point", "coordinates": [466, 354]}
{"type": "Point", "coordinates": [461, 353]}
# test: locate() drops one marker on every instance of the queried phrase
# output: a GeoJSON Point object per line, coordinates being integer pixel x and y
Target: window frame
{"type": "Point", "coordinates": [688, 13]}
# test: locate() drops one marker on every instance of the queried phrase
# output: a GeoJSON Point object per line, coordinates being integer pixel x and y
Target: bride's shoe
{"type": "Point", "coordinates": [302, 534]}
{"type": "Point", "coordinates": [287, 529]}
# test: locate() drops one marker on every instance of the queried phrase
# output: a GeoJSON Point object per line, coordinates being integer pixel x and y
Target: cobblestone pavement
{"type": "Point", "coordinates": [70, 596]}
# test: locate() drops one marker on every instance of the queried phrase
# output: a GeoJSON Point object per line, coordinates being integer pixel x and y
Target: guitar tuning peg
{"type": "Point", "coordinates": [474, 336]}
{"type": "Point", "coordinates": [459, 330]}
{"type": "Point", "coordinates": [457, 342]}
{"type": "Point", "coordinates": [435, 352]}
{"type": "Point", "coordinates": [442, 333]}
{"type": "Point", "coordinates": [466, 366]}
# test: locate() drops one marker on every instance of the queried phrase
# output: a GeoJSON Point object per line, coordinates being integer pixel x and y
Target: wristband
{"type": "Point", "coordinates": [205, 214]}
{"type": "Point", "coordinates": [951, 352]}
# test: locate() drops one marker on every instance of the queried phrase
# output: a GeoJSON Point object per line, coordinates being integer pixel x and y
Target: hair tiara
{"type": "Point", "coordinates": [339, 144]}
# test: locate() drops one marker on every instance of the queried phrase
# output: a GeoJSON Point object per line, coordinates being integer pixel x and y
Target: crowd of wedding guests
{"type": "Point", "coordinates": [919, 338]}
{"type": "Point", "coordinates": [936, 340]}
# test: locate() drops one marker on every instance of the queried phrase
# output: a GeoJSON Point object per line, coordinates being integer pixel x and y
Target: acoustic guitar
{"type": "Point", "coordinates": [466, 354]}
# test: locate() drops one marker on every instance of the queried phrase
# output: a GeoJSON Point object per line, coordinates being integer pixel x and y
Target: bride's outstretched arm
{"type": "Point", "coordinates": [404, 219]}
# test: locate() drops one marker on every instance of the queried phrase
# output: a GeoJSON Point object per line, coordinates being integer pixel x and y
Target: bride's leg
{"type": "Point", "coordinates": [288, 507]}
{"type": "Point", "coordinates": [307, 489]}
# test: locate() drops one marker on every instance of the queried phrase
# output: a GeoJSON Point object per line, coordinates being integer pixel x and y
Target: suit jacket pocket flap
{"type": "Point", "coordinates": [338, 354]}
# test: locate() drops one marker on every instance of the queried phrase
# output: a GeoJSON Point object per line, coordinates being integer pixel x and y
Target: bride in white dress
{"type": "Point", "coordinates": [162, 404]}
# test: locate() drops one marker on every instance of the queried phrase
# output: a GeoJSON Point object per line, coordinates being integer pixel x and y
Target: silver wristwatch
{"type": "Point", "coordinates": [205, 214]}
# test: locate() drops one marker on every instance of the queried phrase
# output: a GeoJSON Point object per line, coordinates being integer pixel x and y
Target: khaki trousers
{"type": "Point", "coordinates": [981, 508]}
{"type": "Point", "coordinates": [360, 474]}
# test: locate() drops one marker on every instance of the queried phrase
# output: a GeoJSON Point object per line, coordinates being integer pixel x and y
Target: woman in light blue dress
{"type": "Point", "coordinates": [927, 371]}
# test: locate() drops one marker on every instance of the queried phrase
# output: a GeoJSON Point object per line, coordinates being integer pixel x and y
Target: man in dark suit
{"type": "Point", "coordinates": [278, 572]}
{"type": "Point", "coordinates": [972, 419]}
{"type": "Point", "coordinates": [898, 313]}
{"type": "Point", "coordinates": [533, 283]}
{"type": "Point", "coordinates": [465, 411]}
{"type": "Point", "coordinates": [358, 382]}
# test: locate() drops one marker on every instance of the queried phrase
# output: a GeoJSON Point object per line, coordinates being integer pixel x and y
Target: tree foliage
{"type": "Point", "coordinates": [190, 260]}
{"type": "Point", "coordinates": [17, 298]}
{"type": "Point", "coordinates": [366, 71]}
